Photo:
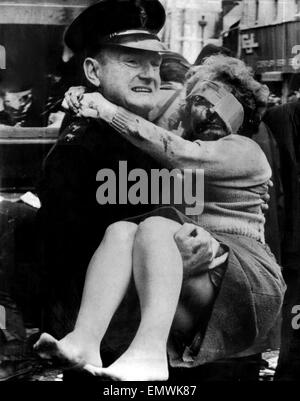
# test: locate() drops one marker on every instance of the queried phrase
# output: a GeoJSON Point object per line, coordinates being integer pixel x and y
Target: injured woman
{"type": "Point", "coordinates": [195, 313]}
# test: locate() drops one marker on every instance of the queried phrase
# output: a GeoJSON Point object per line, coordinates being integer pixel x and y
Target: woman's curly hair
{"type": "Point", "coordinates": [238, 78]}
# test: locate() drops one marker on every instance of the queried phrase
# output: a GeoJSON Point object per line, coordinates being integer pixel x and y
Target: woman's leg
{"type": "Point", "coordinates": [158, 272]}
{"type": "Point", "coordinates": [196, 299]}
{"type": "Point", "coordinates": [107, 280]}
{"type": "Point", "coordinates": [157, 269]}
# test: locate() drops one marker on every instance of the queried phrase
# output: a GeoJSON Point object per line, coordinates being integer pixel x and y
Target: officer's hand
{"type": "Point", "coordinates": [73, 97]}
{"type": "Point", "coordinates": [197, 247]}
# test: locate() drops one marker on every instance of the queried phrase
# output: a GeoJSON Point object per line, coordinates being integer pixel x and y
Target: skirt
{"type": "Point", "coordinates": [247, 305]}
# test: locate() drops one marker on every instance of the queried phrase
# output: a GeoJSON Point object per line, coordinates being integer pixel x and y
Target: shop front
{"type": "Point", "coordinates": [273, 52]}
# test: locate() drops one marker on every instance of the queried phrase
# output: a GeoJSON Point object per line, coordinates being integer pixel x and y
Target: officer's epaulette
{"type": "Point", "coordinates": [74, 131]}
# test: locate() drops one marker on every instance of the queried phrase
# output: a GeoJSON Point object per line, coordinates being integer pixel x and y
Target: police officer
{"type": "Point", "coordinates": [118, 41]}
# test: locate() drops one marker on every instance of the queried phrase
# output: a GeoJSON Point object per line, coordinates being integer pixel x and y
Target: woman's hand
{"type": "Point", "coordinates": [73, 97]}
{"type": "Point", "coordinates": [89, 105]}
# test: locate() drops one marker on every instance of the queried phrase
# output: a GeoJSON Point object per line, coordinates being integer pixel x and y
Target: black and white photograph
{"type": "Point", "coordinates": [150, 194]}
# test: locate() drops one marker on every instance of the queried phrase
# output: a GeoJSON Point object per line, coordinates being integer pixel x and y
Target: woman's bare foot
{"type": "Point", "coordinates": [68, 352]}
{"type": "Point", "coordinates": [134, 367]}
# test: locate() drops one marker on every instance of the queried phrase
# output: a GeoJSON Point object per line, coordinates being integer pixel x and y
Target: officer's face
{"type": "Point", "coordinates": [130, 78]}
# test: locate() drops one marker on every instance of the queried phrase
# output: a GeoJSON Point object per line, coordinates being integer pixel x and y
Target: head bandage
{"type": "Point", "coordinates": [225, 104]}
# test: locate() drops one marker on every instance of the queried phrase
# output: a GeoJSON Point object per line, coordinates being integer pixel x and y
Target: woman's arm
{"type": "Point", "coordinates": [165, 146]}
{"type": "Point", "coordinates": [232, 157]}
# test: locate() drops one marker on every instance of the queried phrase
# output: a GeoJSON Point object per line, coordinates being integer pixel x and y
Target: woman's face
{"type": "Point", "coordinates": [206, 124]}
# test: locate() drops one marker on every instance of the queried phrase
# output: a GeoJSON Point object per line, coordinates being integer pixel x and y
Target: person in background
{"type": "Point", "coordinates": [4, 119]}
{"type": "Point", "coordinates": [173, 70]}
{"type": "Point", "coordinates": [211, 50]}
{"type": "Point", "coordinates": [284, 121]}
{"type": "Point", "coordinates": [273, 100]}
{"type": "Point", "coordinates": [293, 97]}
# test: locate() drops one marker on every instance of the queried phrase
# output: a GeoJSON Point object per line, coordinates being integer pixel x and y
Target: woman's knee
{"type": "Point", "coordinates": [198, 292]}
{"type": "Point", "coordinates": [156, 228]}
{"type": "Point", "coordinates": [121, 232]}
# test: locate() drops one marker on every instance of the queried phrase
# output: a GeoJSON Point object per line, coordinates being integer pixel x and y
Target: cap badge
{"type": "Point", "coordinates": [143, 14]}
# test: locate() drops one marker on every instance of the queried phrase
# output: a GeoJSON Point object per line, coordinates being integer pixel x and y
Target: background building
{"type": "Point", "coordinates": [191, 24]}
{"type": "Point", "coordinates": [266, 35]}
{"type": "Point", "coordinates": [268, 12]}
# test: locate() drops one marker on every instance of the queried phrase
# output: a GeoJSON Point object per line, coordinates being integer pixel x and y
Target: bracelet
{"type": "Point", "coordinates": [122, 120]}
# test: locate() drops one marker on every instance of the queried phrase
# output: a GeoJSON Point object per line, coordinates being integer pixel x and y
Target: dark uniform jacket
{"type": "Point", "coordinates": [275, 216]}
{"type": "Point", "coordinates": [72, 222]}
{"type": "Point", "coordinates": [284, 122]}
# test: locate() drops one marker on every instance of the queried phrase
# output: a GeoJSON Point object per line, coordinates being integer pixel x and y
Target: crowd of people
{"type": "Point", "coordinates": [129, 291]}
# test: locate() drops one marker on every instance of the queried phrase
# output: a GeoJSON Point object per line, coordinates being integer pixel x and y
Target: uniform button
{"type": "Point", "coordinates": [69, 137]}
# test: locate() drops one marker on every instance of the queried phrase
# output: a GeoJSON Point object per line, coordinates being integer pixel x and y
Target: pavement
{"type": "Point", "coordinates": [266, 373]}
{"type": "Point", "coordinates": [30, 368]}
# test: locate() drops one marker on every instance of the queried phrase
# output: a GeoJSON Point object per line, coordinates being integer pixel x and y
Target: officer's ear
{"type": "Point", "coordinates": [92, 69]}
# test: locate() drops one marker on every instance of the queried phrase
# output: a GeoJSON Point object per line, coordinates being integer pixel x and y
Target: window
{"type": "Point", "coordinates": [256, 10]}
{"type": "Point", "coordinates": [275, 9]}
